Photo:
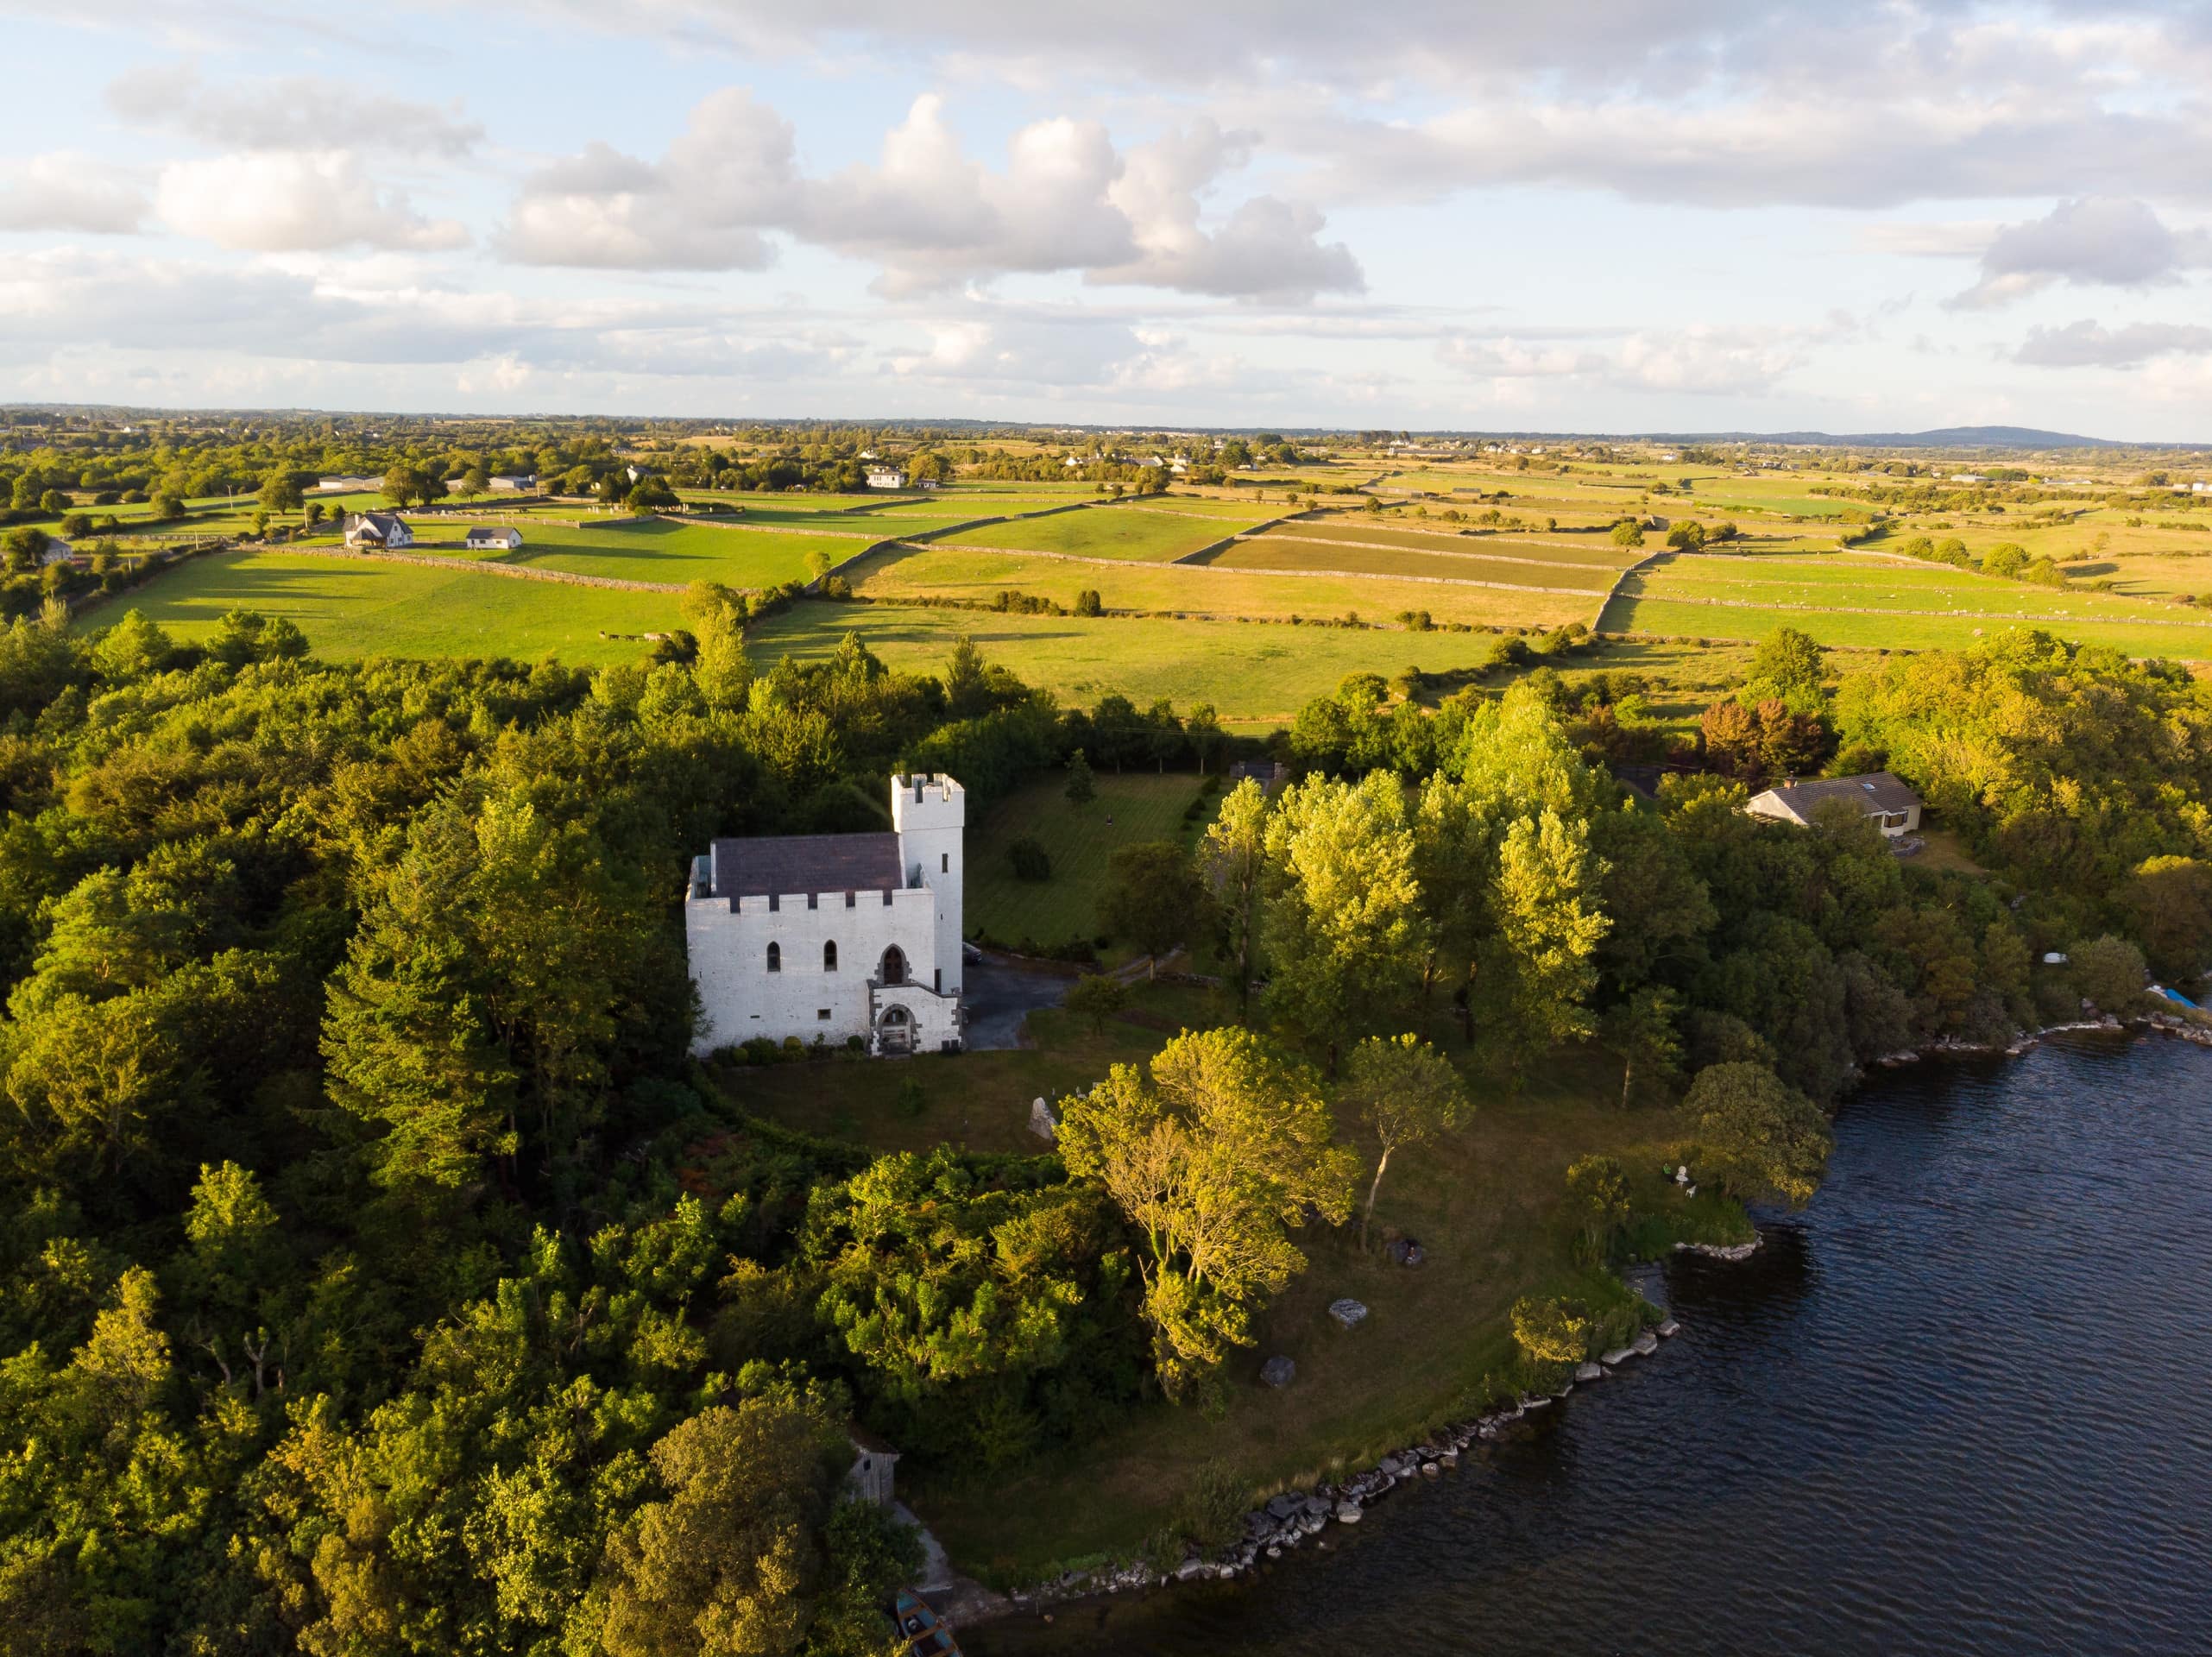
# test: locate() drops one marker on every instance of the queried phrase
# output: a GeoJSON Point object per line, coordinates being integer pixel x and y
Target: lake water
{"type": "Point", "coordinates": [1961, 1404]}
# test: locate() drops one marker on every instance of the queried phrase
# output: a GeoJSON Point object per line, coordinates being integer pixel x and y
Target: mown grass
{"type": "Point", "coordinates": [1252, 673]}
{"type": "Point", "coordinates": [1597, 553]}
{"type": "Point", "coordinates": [1108, 532]}
{"type": "Point", "coordinates": [1130, 808]}
{"type": "Point", "coordinates": [351, 609]}
{"type": "Point", "coordinates": [1901, 631]}
{"type": "Point", "coordinates": [948, 571]}
{"type": "Point", "coordinates": [662, 550]}
{"type": "Point", "coordinates": [1270, 553]}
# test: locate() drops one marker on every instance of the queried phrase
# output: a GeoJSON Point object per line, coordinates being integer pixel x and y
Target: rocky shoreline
{"type": "Point", "coordinates": [1291, 1519]}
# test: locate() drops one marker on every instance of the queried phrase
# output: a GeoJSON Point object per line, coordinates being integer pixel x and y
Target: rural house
{"type": "Point", "coordinates": [503, 538]}
{"type": "Point", "coordinates": [834, 935]}
{"type": "Point", "coordinates": [506, 484]}
{"type": "Point", "coordinates": [886, 477]}
{"type": "Point", "coordinates": [1895, 808]}
{"type": "Point", "coordinates": [381, 529]}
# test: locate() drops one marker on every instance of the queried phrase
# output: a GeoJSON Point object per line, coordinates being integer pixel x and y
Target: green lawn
{"type": "Point", "coordinates": [1109, 533]}
{"type": "Point", "coordinates": [1130, 808]}
{"type": "Point", "coordinates": [1254, 672]}
{"type": "Point", "coordinates": [350, 608]}
{"type": "Point", "coordinates": [1904, 632]}
{"type": "Point", "coordinates": [660, 549]}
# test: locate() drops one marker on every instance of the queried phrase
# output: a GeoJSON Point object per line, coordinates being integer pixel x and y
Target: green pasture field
{"type": "Point", "coordinates": [351, 609]}
{"type": "Point", "coordinates": [1788, 505]}
{"type": "Point", "coordinates": [1904, 632]}
{"type": "Point", "coordinates": [902, 572]}
{"type": "Point", "coordinates": [663, 550]}
{"type": "Point", "coordinates": [1267, 553]}
{"type": "Point", "coordinates": [1202, 505]}
{"type": "Point", "coordinates": [1132, 808]}
{"type": "Point", "coordinates": [1888, 584]}
{"type": "Point", "coordinates": [1597, 552]}
{"type": "Point", "coordinates": [1255, 673]}
{"type": "Point", "coordinates": [1106, 532]}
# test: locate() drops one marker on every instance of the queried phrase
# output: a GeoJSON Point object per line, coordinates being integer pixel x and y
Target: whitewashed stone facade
{"type": "Point", "coordinates": [835, 935]}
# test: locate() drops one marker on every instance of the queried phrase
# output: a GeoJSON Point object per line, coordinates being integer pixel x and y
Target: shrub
{"type": "Point", "coordinates": [1597, 1198]}
{"type": "Point", "coordinates": [2109, 973]}
{"type": "Point", "coordinates": [1030, 860]}
{"type": "Point", "coordinates": [912, 1101]}
{"type": "Point", "coordinates": [1759, 1138]}
{"type": "Point", "coordinates": [1551, 1330]}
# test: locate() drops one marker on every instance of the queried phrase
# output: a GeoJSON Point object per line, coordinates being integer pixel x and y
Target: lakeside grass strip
{"type": "Point", "coordinates": [901, 570]}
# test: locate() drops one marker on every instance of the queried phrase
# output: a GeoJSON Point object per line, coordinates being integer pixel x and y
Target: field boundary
{"type": "Point", "coordinates": [482, 566]}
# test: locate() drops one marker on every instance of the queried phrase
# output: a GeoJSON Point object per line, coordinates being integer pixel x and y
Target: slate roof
{"type": "Point", "coordinates": [1875, 791]}
{"type": "Point", "coordinates": [780, 864]}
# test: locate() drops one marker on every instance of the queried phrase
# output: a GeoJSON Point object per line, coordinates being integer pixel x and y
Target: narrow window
{"type": "Point", "coordinates": [848, 899]}
{"type": "Point", "coordinates": [945, 863]}
{"type": "Point", "coordinates": [775, 957]}
{"type": "Point", "coordinates": [937, 977]}
{"type": "Point", "coordinates": [822, 1013]}
{"type": "Point", "coordinates": [829, 956]}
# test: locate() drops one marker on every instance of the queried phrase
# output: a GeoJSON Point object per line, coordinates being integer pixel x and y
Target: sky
{"type": "Point", "coordinates": [1595, 216]}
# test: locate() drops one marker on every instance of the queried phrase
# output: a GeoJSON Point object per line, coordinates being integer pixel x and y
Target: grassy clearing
{"type": "Point", "coordinates": [1252, 673]}
{"type": "Point", "coordinates": [1269, 553]}
{"type": "Point", "coordinates": [1901, 631]}
{"type": "Point", "coordinates": [1485, 1205]}
{"type": "Point", "coordinates": [1132, 808]}
{"type": "Point", "coordinates": [660, 549]}
{"type": "Point", "coordinates": [1107, 532]}
{"type": "Point", "coordinates": [903, 573]}
{"type": "Point", "coordinates": [350, 608]}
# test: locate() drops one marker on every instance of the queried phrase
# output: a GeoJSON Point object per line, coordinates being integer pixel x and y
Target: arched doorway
{"type": "Point", "coordinates": [894, 965]}
{"type": "Point", "coordinates": [895, 1030]}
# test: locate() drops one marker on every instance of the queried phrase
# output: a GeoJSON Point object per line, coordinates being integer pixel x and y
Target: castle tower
{"type": "Point", "coordinates": [928, 815]}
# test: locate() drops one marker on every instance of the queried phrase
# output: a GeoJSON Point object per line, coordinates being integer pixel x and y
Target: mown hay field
{"type": "Point", "coordinates": [663, 550]}
{"type": "Point", "coordinates": [1597, 551]}
{"type": "Point", "coordinates": [353, 608]}
{"type": "Point", "coordinates": [907, 572]}
{"type": "Point", "coordinates": [1110, 533]}
{"type": "Point", "coordinates": [1271, 552]}
{"type": "Point", "coordinates": [1257, 672]}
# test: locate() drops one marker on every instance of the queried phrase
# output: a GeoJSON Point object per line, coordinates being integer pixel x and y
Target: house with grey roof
{"type": "Point", "coordinates": [377, 529]}
{"type": "Point", "coordinates": [1879, 795]}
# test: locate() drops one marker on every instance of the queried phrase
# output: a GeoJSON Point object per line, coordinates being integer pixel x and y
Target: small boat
{"type": "Point", "coordinates": [926, 1634]}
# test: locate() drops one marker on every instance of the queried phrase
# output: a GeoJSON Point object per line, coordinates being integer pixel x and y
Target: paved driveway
{"type": "Point", "coordinates": [999, 997]}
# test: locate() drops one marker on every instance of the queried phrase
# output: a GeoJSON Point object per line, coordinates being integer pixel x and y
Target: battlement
{"type": "Point", "coordinates": [922, 802]}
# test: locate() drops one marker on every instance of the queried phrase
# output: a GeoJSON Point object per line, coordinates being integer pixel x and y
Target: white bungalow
{"type": "Point", "coordinates": [886, 477]}
{"type": "Point", "coordinates": [56, 551]}
{"type": "Point", "coordinates": [513, 483]}
{"type": "Point", "coordinates": [377, 529]}
{"type": "Point", "coordinates": [501, 538]}
{"type": "Point", "coordinates": [1894, 808]}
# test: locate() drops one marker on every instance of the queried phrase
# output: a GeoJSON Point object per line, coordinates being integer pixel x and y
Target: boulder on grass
{"type": "Point", "coordinates": [1347, 1311]}
{"type": "Point", "coordinates": [1278, 1371]}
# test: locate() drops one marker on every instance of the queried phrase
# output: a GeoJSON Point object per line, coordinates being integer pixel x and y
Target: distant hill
{"type": "Point", "coordinates": [1948, 437]}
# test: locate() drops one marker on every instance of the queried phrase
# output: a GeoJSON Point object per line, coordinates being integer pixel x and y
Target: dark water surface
{"type": "Point", "coordinates": [1961, 1404]}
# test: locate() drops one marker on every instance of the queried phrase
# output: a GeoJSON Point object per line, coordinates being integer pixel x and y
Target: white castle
{"type": "Point", "coordinates": [834, 934]}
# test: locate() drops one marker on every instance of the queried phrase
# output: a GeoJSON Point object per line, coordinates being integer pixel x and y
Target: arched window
{"type": "Point", "coordinates": [829, 956]}
{"type": "Point", "coordinates": [894, 965]}
{"type": "Point", "coordinates": [775, 957]}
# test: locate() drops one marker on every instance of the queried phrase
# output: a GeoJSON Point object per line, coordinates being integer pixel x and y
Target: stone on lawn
{"type": "Point", "coordinates": [1278, 1371]}
{"type": "Point", "coordinates": [1042, 1123]}
{"type": "Point", "coordinates": [1347, 1311]}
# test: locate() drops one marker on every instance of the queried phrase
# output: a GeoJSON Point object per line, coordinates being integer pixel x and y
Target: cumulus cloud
{"type": "Point", "coordinates": [1700, 360]}
{"type": "Point", "coordinates": [1509, 357]}
{"type": "Point", "coordinates": [2088, 344]}
{"type": "Point", "coordinates": [2109, 241]}
{"type": "Point", "coordinates": [931, 216]}
{"type": "Point", "coordinates": [62, 191]}
{"type": "Point", "coordinates": [282, 201]}
{"type": "Point", "coordinates": [285, 112]}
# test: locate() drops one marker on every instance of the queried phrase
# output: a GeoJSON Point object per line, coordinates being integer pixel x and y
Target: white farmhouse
{"type": "Point", "coordinates": [886, 477]}
{"type": "Point", "coordinates": [504, 538]}
{"type": "Point", "coordinates": [835, 935]}
{"type": "Point", "coordinates": [384, 529]}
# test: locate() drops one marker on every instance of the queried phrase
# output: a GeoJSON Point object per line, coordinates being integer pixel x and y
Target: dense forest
{"type": "Point", "coordinates": [378, 1276]}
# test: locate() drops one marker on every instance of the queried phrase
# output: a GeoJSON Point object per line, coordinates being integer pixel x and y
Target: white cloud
{"type": "Point", "coordinates": [62, 191]}
{"type": "Point", "coordinates": [1701, 360]}
{"type": "Point", "coordinates": [282, 201]}
{"type": "Point", "coordinates": [286, 112]}
{"type": "Point", "coordinates": [2088, 344]}
{"type": "Point", "coordinates": [931, 217]}
{"type": "Point", "coordinates": [2115, 242]}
